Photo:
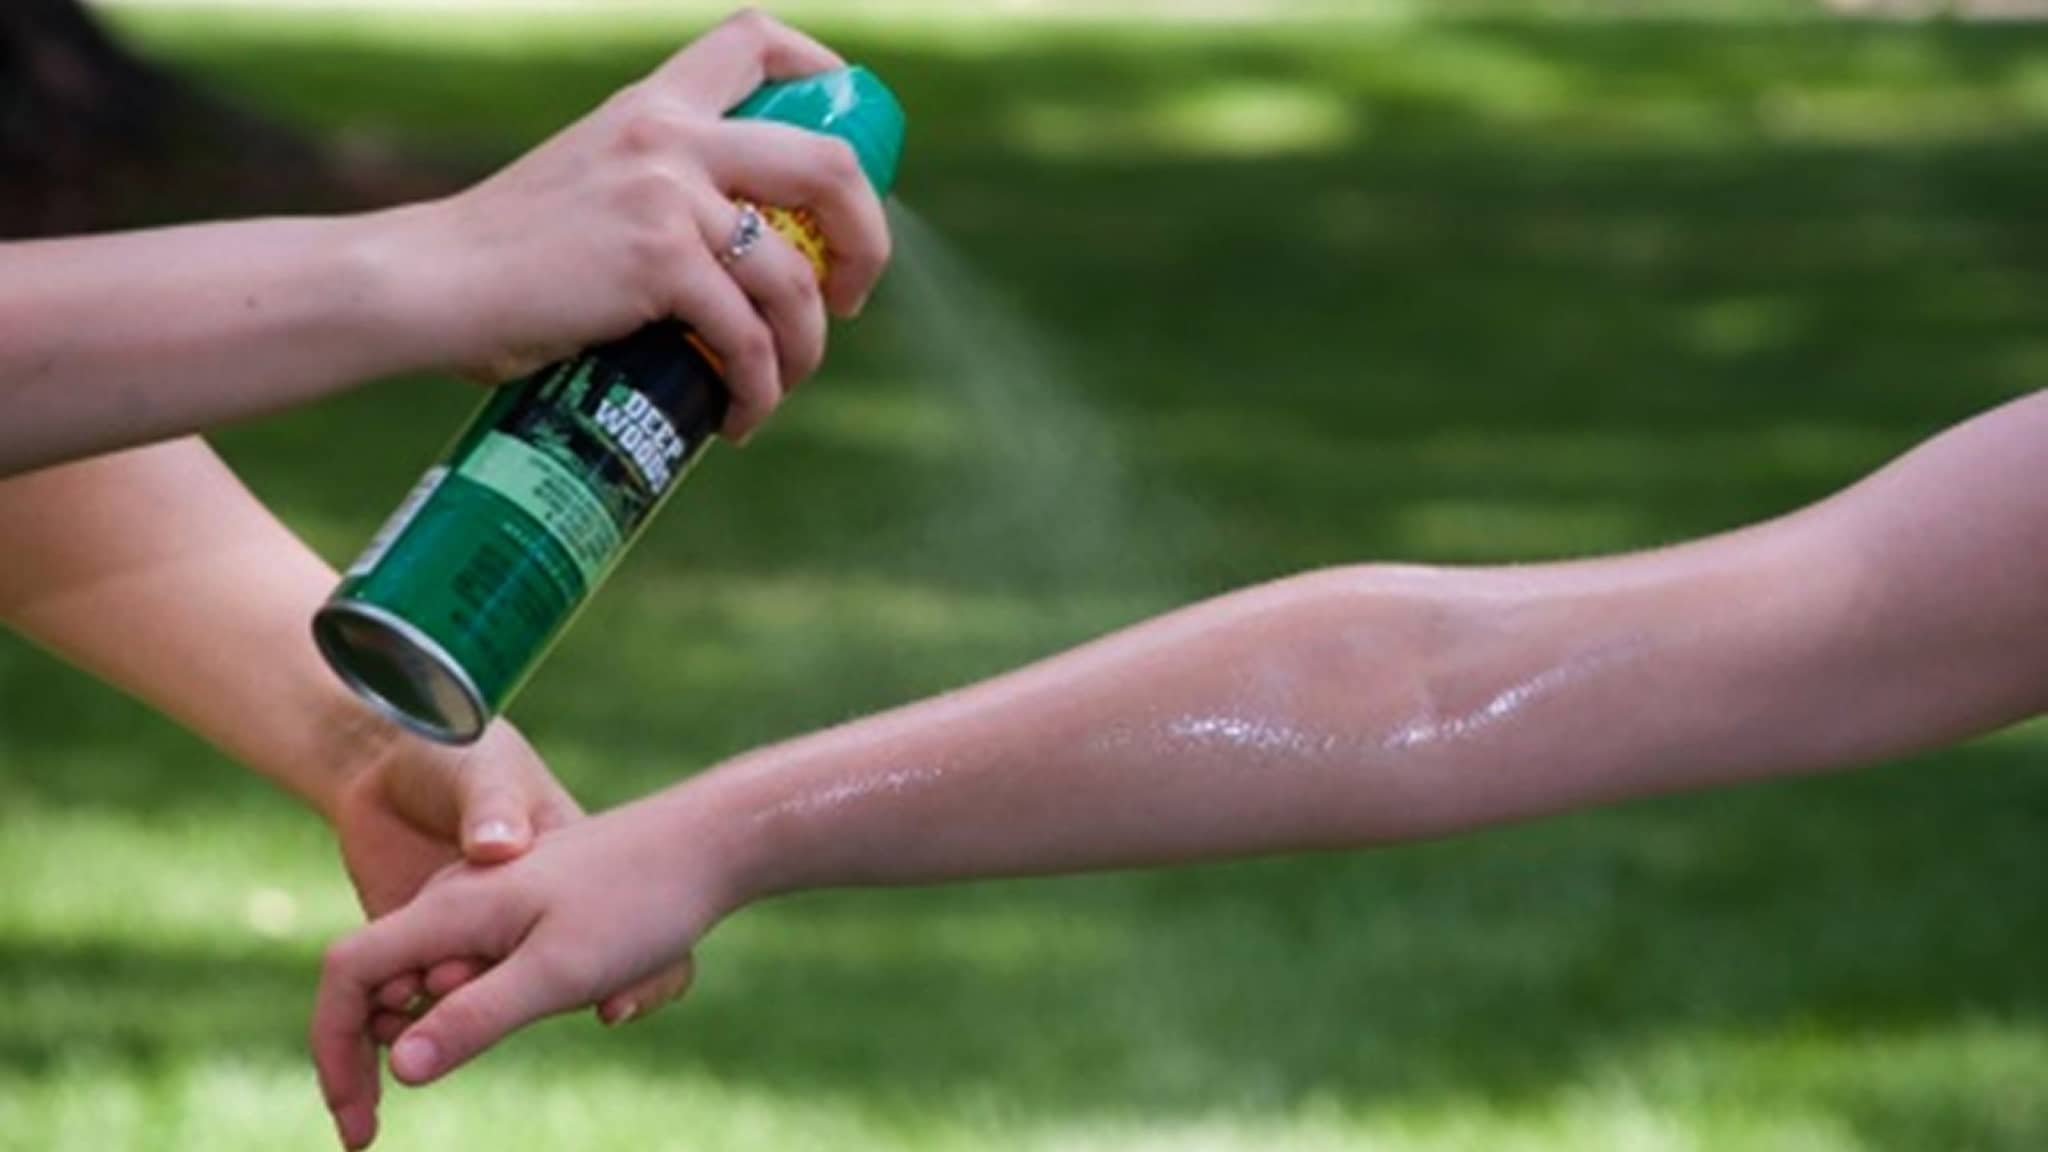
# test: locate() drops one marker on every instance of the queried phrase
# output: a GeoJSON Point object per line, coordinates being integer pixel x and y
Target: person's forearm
{"type": "Point", "coordinates": [618, 221]}
{"type": "Point", "coordinates": [1378, 704]}
{"type": "Point", "coordinates": [1329, 711]}
{"type": "Point", "coordinates": [156, 570]}
{"type": "Point", "coordinates": [126, 339]}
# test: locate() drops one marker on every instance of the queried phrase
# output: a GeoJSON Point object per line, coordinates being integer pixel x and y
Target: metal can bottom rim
{"type": "Point", "coordinates": [422, 650]}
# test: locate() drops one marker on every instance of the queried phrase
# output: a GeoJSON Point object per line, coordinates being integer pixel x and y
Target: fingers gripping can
{"type": "Point", "coordinates": [484, 565]}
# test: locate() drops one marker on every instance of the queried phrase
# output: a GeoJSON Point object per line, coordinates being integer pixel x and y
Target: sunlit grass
{"type": "Point", "coordinates": [1246, 120]}
{"type": "Point", "coordinates": [1509, 66]}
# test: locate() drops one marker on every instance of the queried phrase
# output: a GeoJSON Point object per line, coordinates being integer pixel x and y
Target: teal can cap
{"type": "Point", "coordinates": [850, 103]}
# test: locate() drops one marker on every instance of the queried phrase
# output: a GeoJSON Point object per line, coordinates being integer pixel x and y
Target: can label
{"type": "Point", "coordinates": [498, 546]}
{"type": "Point", "coordinates": [396, 525]}
{"type": "Point", "coordinates": [553, 495]}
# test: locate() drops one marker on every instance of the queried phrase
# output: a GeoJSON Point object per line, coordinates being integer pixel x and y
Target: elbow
{"type": "Point", "coordinates": [1380, 644]}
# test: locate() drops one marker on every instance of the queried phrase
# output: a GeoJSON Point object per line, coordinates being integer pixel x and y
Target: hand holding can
{"type": "Point", "coordinates": [460, 595]}
{"type": "Point", "coordinates": [617, 222]}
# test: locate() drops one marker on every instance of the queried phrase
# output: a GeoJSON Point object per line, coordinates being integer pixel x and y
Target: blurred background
{"type": "Point", "coordinates": [1193, 293]}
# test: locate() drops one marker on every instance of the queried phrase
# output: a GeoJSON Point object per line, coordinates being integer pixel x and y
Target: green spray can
{"type": "Point", "coordinates": [483, 566]}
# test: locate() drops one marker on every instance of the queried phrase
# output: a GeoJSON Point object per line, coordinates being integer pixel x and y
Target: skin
{"type": "Point", "coordinates": [121, 340]}
{"type": "Point", "coordinates": [1340, 709]}
{"type": "Point", "coordinates": [158, 572]}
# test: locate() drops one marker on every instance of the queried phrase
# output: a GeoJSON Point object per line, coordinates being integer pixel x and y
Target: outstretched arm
{"type": "Point", "coordinates": [1370, 704]}
{"type": "Point", "coordinates": [116, 340]}
{"type": "Point", "coordinates": [1339, 709]}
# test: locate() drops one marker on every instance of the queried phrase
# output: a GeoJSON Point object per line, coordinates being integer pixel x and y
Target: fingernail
{"type": "Point", "coordinates": [497, 832]}
{"type": "Point", "coordinates": [413, 1058]}
{"type": "Point", "coordinates": [859, 306]}
{"type": "Point", "coordinates": [354, 1132]}
{"type": "Point", "coordinates": [623, 1015]}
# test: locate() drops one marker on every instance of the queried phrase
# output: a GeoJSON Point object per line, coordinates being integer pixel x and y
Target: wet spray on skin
{"type": "Point", "coordinates": [481, 569]}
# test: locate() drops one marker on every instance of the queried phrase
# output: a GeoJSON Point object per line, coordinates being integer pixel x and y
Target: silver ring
{"type": "Point", "coordinates": [746, 234]}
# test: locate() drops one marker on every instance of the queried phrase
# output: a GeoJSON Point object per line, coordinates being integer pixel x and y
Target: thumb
{"type": "Point", "coordinates": [497, 822]}
{"type": "Point", "coordinates": [473, 1018]}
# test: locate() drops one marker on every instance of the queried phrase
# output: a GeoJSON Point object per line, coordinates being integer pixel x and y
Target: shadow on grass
{"type": "Point", "coordinates": [1861, 914]}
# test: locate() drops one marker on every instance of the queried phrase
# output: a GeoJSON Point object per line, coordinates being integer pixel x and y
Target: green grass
{"type": "Point", "coordinates": [1474, 290]}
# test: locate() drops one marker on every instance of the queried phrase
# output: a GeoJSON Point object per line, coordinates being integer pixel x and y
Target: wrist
{"type": "Point", "coordinates": [736, 835]}
{"type": "Point", "coordinates": [402, 267]}
{"type": "Point", "coordinates": [272, 704]}
{"type": "Point", "coordinates": [825, 810]}
{"type": "Point", "coordinates": [346, 742]}
{"type": "Point", "coordinates": [320, 742]}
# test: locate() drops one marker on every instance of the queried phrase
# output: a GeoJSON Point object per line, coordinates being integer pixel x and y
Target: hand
{"type": "Point", "coordinates": [414, 809]}
{"type": "Point", "coordinates": [615, 223]}
{"type": "Point", "coordinates": [597, 906]}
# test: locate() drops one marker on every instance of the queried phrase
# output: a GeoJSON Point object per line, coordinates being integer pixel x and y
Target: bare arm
{"type": "Point", "coordinates": [1371, 704]}
{"type": "Point", "coordinates": [125, 339]}
{"type": "Point", "coordinates": [1340, 709]}
{"type": "Point", "coordinates": [119, 340]}
{"type": "Point", "coordinates": [158, 572]}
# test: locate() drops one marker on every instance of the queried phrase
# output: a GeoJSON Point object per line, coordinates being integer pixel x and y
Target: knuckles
{"type": "Point", "coordinates": [883, 253]}
{"type": "Point", "coordinates": [836, 163]}
{"type": "Point", "coordinates": [885, 250]}
{"type": "Point", "coordinates": [751, 24]}
{"type": "Point", "coordinates": [800, 285]}
{"type": "Point", "coordinates": [650, 196]}
{"type": "Point", "coordinates": [655, 205]}
{"type": "Point", "coordinates": [755, 345]}
{"type": "Point", "coordinates": [651, 125]}
{"type": "Point", "coordinates": [653, 193]}
{"type": "Point", "coordinates": [340, 961]}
